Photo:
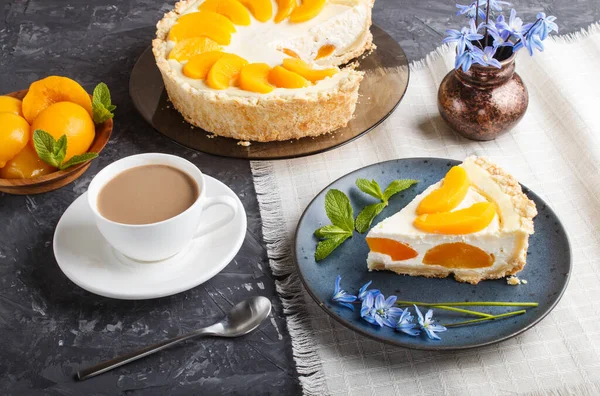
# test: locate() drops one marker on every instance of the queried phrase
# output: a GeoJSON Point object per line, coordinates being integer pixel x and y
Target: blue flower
{"type": "Point", "coordinates": [496, 5]}
{"type": "Point", "coordinates": [378, 310]}
{"type": "Point", "coordinates": [514, 27]}
{"type": "Point", "coordinates": [468, 57]}
{"type": "Point", "coordinates": [367, 311]}
{"type": "Point", "coordinates": [543, 26]}
{"type": "Point", "coordinates": [531, 42]}
{"type": "Point", "coordinates": [405, 324]}
{"type": "Point", "coordinates": [427, 324]}
{"type": "Point", "coordinates": [499, 39]}
{"type": "Point", "coordinates": [341, 297]}
{"type": "Point", "coordinates": [362, 292]}
{"type": "Point", "coordinates": [463, 38]}
{"type": "Point", "coordinates": [488, 57]}
{"type": "Point", "coordinates": [386, 313]}
{"type": "Point", "coordinates": [470, 10]}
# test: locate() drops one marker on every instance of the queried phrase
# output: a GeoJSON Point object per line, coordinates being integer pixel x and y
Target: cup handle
{"type": "Point", "coordinates": [220, 200]}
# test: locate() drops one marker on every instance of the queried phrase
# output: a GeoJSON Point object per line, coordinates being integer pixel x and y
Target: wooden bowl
{"type": "Point", "coordinates": [59, 178]}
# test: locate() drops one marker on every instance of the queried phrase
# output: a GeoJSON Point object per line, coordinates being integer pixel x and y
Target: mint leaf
{"type": "Point", "coordinates": [44, 145]}
{"type": "Point", "coordinates": [396, 186]}
{"type": "Point", "coordinates": [370, 187]}
{"type": "Point", "coordinates": [60, 149]}
{"type": "Point", "coordinates": [102, 107]}
{"type": "Point", "coordinates": [44, 141]}
{"type": "Point", "coordinates": [78, 159]}
{"type": "Point", "coordinates": [324, 248]}
{"type": "Point", "coordinates": [101, 114]}
{"type": "Point", "coordinates": [366, 216]}
{"type": "Point", "coordinates": [329, 231]}
{"type": "Point", "coordinates": [102, 94]}
{"type": "Point", "coordinates": [339, 210]}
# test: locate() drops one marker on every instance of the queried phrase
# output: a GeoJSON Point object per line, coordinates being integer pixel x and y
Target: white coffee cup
{"type": "Point", "coordinates": [157, 241]}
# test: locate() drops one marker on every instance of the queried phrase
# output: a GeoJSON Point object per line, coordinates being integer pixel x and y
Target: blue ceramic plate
{"type": "Point", "coordinates": [547, 270]}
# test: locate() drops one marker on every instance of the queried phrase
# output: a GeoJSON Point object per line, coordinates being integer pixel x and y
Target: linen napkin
{"type": "Point", "coordinates": [554, 150]}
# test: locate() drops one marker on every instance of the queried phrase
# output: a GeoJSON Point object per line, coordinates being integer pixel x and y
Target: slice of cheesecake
{"type": "Point", "coordinates": [475, 224]}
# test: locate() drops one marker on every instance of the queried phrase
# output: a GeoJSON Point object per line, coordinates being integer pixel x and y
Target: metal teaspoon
{"type": "Point", "coordinates": [241, 319]}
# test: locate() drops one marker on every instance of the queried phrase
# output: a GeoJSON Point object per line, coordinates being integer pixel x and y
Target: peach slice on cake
{"type": "Point", "coordinates": [190, 47]}
{"type": "Point", "coordinates": [232, 9]}
{"type": "Point", "coordinates": [307, 10]}
{"type": "Point", "coordinates": [453, 190]}
{"type": "Point", "coordinates": [199, 65]}
{"type": "Point", "coordinates": [283, 78]}
{"type": "Point", "coordinates": [203, 24]}
{"type": "Point", "coordinates": [284, 9]}
{"type": "Point", "coordinates": [458, 255]}
{"type": "Point", "coordinates": [225, 71]}
{"type": "Point", "coordinates": [396, 250]}
{"type": "Point", "coordinates": [302, 68]}
{"type": "Point", "coordinates": [325, 51]}
{"type": "Point", "coordinates": [464, 221]}
{"type": "Point", "coordinates": [291, 53]}
{"type": "Point", "coordinates": [261, 9]}
{"type": "Point", "coordinates": [254, 78]}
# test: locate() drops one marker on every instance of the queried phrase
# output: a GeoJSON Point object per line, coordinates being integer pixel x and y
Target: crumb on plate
{"type": "Point", "coordinates": [514, 281]}
{"type": "Point", "coordinates": [242, 143]}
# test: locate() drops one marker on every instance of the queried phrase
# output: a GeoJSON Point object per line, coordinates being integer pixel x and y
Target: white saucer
{"type": "Point", "coordinates": [89, 261]}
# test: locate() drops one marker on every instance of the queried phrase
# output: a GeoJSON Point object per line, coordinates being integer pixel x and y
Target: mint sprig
{"type": "Point", "coordinates": [368, 214]}
{"type": "Point", "coordinates": [340, 213]}
{"type": "Point", "coordinates": [102, 108]}
{"type": "Point", "coordinates": [53, 151]}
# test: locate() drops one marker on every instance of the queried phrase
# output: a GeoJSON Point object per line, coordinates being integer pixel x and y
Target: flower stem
{"type": "Point", "coordinates": [472, 304]}
{"type": "Point", "coordinates": [477, 24]}
{"type": "Point", "coordinates": [465, 311]}
{"type": "Point", "coordinates": [487, 18]}
{"type": "Point", "coordinates": [494, 317]}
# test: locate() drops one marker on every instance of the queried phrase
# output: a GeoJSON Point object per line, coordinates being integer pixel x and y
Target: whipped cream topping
{"type": "Point", "coordinates": [342, 25]}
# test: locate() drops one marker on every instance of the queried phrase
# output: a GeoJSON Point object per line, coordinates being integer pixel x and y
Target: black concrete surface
{"type": "Point", "coordinates": [50, 327]}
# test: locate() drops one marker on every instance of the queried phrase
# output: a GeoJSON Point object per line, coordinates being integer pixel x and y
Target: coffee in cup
{"type": "Point", "coordinates": [149, 206]}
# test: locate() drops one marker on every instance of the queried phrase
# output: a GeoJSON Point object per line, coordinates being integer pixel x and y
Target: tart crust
{"type": "Point", "coordinates": [256, 117]}
{"type": "Point", "coordinates": [523, 206]}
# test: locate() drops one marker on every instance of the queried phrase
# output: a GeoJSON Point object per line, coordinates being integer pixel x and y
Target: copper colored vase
{"type": "Point", "coordinates": [484, 102]}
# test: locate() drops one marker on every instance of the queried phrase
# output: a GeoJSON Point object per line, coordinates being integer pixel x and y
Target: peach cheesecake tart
{"type": "Point", "coordinates": [474, 224]}
{"type": "Point", "coordinates": [263, 70]}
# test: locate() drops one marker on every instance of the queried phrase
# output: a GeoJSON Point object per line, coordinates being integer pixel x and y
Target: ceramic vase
{"type": "Point", "coordinates": [484, 102]}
